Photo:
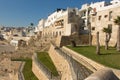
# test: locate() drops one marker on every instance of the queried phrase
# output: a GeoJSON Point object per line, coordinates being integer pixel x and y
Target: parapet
{"type": "Point", "coordinates": [103, 74]}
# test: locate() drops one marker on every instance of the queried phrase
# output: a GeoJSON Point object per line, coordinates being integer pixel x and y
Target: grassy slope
{"type": "Point", "coordinates": [109, 57]}
{"type": "Point", "coordinates": [27, 70]}
{"type": "Point", "coordinates": [46, 60]}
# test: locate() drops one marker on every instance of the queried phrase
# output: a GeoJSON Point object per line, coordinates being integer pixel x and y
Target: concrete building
{"type": "Point", "coordinates": [40, 26]}
{"type": "Point", "coordinates": [19, 41]}
{"type": "Point", "coordinates": [87, 20]}
{"type": "Point", "coordinates": [104, 17]}
{"type": "Point", "coordinates": [60, 23]}
{"type": "Point", "coordinates": [98, 15]}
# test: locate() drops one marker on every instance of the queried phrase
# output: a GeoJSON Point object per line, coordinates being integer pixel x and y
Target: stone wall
{"type": "Point", "coordinates": [102, 19]}
{"type": "Point", "coordinates": [38, 72]}
{"type": "Point", "coordinates": [93, 66]}
{"type": "Point", "coordinates": [61, 64]}
{"type": "Point", "coordinates": [20, 74]}
{"type": "Point", "coordinates": [62, 40]}
{"type": "Point", "coordinates": [103, 74]}
{"type": "Point", "coordinates": [66, 40]}
{"type": "Point", "coordinates": [84, 39]}
{"type": "Point", "coordinates": [90, 64]}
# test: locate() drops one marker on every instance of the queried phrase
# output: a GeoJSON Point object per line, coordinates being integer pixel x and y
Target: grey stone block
{"type": "Point", "coordinates": [103, 74]}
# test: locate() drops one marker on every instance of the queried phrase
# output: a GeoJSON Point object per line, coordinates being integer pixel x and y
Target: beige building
{"type": "Point", "coordinates": [104, 17]}
{"type": "Point", "coordinates": [91, 18]}
{"type": "Point", "coordinates": [60, 23]}
{"type": "Point", "coordinates": [98, 15]}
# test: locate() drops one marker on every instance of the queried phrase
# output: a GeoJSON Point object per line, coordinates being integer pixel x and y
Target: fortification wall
{"type": "Point", "coordinates": [38, 72]}
{"type": "Point", "coordinates": [66, 40]}
{"type": "Point", "coordinates": [61, 64]}
{"type": "Point", "coordinates": [90, 64]}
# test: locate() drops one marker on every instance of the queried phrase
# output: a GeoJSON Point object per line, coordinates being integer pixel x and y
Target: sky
{"type": "Point", "coordinates": [20, 13]}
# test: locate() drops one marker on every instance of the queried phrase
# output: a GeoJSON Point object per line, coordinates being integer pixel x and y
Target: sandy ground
{"type": "Point", "coordinates": [5, 47]}
{"type": "Point", "coordinates": [9, 69]}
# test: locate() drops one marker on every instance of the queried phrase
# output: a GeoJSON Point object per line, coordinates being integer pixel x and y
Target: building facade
{"type": "Point", "coordinates": [60, 23]}
{"type": "Point", "coordinates": [99, 15]}
{"type": "Point", "coordinates": [103, 17]}
{"type": "Point", "coordinates": [90, 19]}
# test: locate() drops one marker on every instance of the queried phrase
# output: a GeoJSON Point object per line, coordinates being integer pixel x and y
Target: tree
{"type": "Point", "coordinates": [89, 26]}
{"type": "Point", "coordinates": [31, 24]}
{"type": "Point", "coordinates": [90, 36]}
{"type": "Point", "coordinates": [73, 44]}
{"type": "Point", "coordinates": [117, 22]}
{"type": "Point", "coordinates": [108, 32]}
{"type": "Point", "coordinates": [98, 45]}
{"type": "Point", "coordinates": [30, 27]}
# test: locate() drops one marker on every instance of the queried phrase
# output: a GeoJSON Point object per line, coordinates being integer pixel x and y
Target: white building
{"type": "Point", "coordinates": [61, 22]}
{"type": "Point", "coordinates": [40, 25]}
{"type": "Point", "coordinates": [102, 14]}
{"type": "Point", "coordinates": [89, 19]}
{"type": "Point", "coordinates": [14, 43]}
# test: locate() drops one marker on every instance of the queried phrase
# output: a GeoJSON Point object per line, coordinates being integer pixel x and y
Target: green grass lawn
{"type": "Point", "coordinates": [109, 57]}
{"type": "Point", "coordinates": [46, 60]}
{"type": "Point", "coordinates": [27, 70]}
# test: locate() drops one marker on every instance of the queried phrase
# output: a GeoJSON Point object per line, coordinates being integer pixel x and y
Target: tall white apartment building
{"type": "Point", "coordinates": [104, 17]}
{"type": "Point", "coordinates": [98, 15]}
{"type": "Point", "coordinates": [63, 22]}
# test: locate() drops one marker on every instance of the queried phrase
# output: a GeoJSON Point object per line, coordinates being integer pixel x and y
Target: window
{"type": "Point", "coordinates": [105, 16]}
{"type": "Point", "coordinates": [83, 14]}
{"type": "Point", "coordinates": [84, 21]}
{"type": "Point", "coordinates": [93, 28]}
{"type": "Point", "coordinates": [110, 15]}
{"type": "Point", "coordinates": [60, 33]}
{"type": "Point", "coordinates": [56, 34]}
{"type": "Point", "coordinates": [99, 18]}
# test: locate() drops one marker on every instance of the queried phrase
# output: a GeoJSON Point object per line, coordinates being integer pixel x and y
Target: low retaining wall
{"type": "Point", "coordinates": [103, 74]}
{"type": "Point", "coordinates": [61, 64]}
{"type": "Point", "coordinates": [90, 64]}
{"type": "Point", "coordinates": [83, 60]}
{"type": "Point", "coordinates": [20, 75]}
{"type": "Point", "coordinates": [79, 71]}
{"type": "Point", "coordinates": [37, 71]}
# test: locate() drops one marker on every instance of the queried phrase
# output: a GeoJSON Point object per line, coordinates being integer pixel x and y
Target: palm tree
{"type": "Point", "coordinates": [31, 24]}
{"type": "Point", "coordinates": [90, 36]}
{"type": "Point", "coordinates": [98, 45]}
{"type": "Point", "coordinates": [108, 32]}
{"type": "Point", "coordinates": [117, 22]}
